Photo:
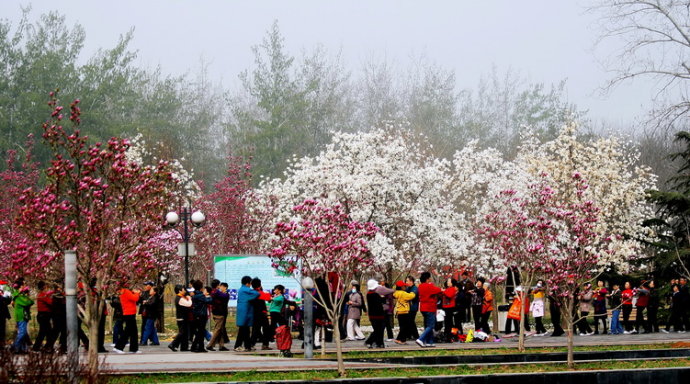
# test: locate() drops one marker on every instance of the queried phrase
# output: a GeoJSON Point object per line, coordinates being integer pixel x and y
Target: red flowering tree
{"type": "Point", "coordinates": [99, 203]}
{"type": "Point", "coordinates": [230, 226]}
{"type": "Point", "coordinates": [577, 253]}
{"type": "Point", "coordinates": [542, 233]}
{"type": "Point", "coordinates": [521, 230]}
{"type": "Point", "coordinates": [19, 175]}
{"type": "Point", "coordinates": [324, 239]}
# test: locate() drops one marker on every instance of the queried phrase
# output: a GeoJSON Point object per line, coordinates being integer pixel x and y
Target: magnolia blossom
{"type": "Point", "coordinates": [236, 219]}
{"type": "Point", "coordinates": [386, 177]}
{"type": "Point", "coordinates": [98, 203]}
{"type": "Point", "coordinates": [616, 182]}
{"type": "Point", "coordinates": [185, 187]}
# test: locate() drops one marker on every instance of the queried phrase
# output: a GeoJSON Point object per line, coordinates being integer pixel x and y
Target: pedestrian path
{"type": "Point", "coordinates": [154, 359]}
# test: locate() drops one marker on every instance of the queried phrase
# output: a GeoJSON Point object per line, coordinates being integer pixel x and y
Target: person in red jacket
{"type": "Point", "coordinates": [428, 296]}
{"type": "Point", "coordinates": [627, 297]}
{"type": "Point", "coordinates": [641, 305]}
{"type": "Point", "coordinates": [128, 299]}
{"type": "Point", "coordinates": [44, 303]}
{"type": "Point", "coordinates": [448, 305]}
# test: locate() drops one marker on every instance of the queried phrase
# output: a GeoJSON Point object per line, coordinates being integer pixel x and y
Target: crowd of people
{"type": "Point", "coordinates": [458, 310]}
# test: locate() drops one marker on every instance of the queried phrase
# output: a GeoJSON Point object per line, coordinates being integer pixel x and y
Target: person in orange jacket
{"type": "Point", "coordinates": [128, 299]}
{"type": "Point", "coordinates": [515, 313]}
{"type": "Point", "coordinates": [487, 308]}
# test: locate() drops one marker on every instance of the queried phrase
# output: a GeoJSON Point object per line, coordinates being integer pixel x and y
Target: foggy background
{"type": "Point", "coordinates": [201, 80]}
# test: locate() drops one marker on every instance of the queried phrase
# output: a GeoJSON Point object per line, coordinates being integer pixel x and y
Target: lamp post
{"type": "Point", "coordinates": [196, 220]}
{"type": "Point", "coordinates": [308, 302]}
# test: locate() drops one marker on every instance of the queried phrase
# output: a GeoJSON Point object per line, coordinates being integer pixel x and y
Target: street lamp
{"type": "Point", "coordinates": [308, 302]}
{"type": "Point", "coordinates": [196, 219]}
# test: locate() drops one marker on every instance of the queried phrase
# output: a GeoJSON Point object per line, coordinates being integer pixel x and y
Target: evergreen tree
{"type": "Point", "coordinates": [673, 217]}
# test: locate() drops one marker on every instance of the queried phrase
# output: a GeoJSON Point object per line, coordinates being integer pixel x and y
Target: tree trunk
{"type": "Point", "coordinates": [323, 341]}
{"type": "Point", "coordinates": [571, 336]}
{"type": "Point", "coordinates": [339, 352]}
{"type": "Point", "coordinates": [93, 310]}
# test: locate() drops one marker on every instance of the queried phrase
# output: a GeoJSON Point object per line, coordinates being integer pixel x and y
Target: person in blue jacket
{"type": "Point", "coordinates": [245, 314]}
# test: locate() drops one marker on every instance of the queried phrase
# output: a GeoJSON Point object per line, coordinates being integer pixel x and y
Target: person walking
{"type": "Point", "coordinates": [219, 311]}
{"type": "Point", "coordinates": [555, 311]}
{"type": "Point", "coordinates": [684, 310]}
{"type": "Point", "coordinates": [615, 302]}
{"type": "Point", "coordinates": [402, 310]}
{"type": "Point", "coordinates": [448, 297]}
{"type": "Point", "coordinates": [627, 298]}
{"type": "Point", "coordinates": [130, 334]}
{"type": "Point", "coordinates": [261, 328]}
{"type": "Point", "coordinates": [58, 319]}
{"type": "Point", "coordinates": [537, 307]}
{"type": "Point", "coordinates": [149, 314]}
{"type": "Point", "coordinates": [200, 302]}
{"type": "Point", "coordinates": [4, 313]}
{"type": "Point", "coordinates": [514, 313]}
{"type": "Point", "coordinates": [641, 305]}
{"type": "Point", "coordinates": [414, 306]}
{"type": "Point", "coordinates": [276, 309]}
{"type": "Point", "coordinates": [586, 297]}
{"type": "Point", "coordinates": [183, 316]}
{"type": "Point", "coordinates": [599, 304]}
{"type": "Point", "coordinates": [245, 314]}
{"type": "Point", "coordinates": [388, 309]}
{"type": "Point", "coordinates": [428, 297]}
{"type": "Point", "coordinates": [143, 296]}
{"type": "Point", "coordinates": [22, 315]}
{"type": "Point", "coordinates": [375, 299]}
{"type": "Point", "coordinates": [44, 304]}
{"type": "Point", "coordinates": [653, 307]}
{"type": "Point", "coordinates": [464, 300]}
{"type": "Point", "coordinates": [674, 318]}
{"type": "Point", "coordinates": [487, 308]}
{"type": "Point", "coordinates": [118, 320]}
{"type": "Point", "coordinates": [477, 303]}
{"type": "Point", "coordinates": [354, 312]}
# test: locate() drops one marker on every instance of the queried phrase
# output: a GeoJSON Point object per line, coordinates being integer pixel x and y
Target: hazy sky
{"type": "Point", "coordinates": [545, 40]}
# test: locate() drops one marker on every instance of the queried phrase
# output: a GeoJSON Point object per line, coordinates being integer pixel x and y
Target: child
{"type": "Point", "coordinates": [538, 307]}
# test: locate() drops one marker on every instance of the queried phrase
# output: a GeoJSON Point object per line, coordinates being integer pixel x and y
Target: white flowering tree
{"type": "Point", "coordinates": [477, 177]}
{"type": "Point", "coordinates": [387, 178]}
{"type": "Point", "coordinates": [617, 184]}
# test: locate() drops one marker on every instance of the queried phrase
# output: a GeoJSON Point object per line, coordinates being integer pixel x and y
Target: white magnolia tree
{"type": "Point", "coordinates": [617, 184]}
{"type": "Point", "coordinates": [385, 177]}
{"type": "Point", "coordinates": [429, 210]}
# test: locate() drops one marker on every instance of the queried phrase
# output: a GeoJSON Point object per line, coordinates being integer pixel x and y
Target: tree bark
{"type": "Point", "coordinates": [571, 337]}
{"type": "Point", "coordinates": [339, 352]}
{"type": "Point", "coordinates": [94, 309]}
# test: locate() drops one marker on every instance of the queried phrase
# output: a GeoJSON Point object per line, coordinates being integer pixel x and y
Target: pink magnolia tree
{"type": "Point", "coordinates": [577, 253]}
{"type": "Point", "coordinates": [521, 230]}
{"type": "Point", "coordinates": [550, 233]}
{"type": "Point", "coordinates": [19, 174]}
{"type": "Point", "coordinates": [98, 203]}
{"type": "Point", "coordinates": [324, 239]}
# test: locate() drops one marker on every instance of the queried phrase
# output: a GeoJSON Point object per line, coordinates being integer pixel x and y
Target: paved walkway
{"type": "Point", "coordinates": [161, 359]}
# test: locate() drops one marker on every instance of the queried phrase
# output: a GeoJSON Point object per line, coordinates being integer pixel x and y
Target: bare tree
{"type": "Point", "coordinates": [655, 36]}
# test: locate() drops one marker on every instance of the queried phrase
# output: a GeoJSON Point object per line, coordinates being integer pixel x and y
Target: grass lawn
{"type": "Point", "coordinates": [501, 350]}
{"type": "Point", "coordinates": [400, 372]}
